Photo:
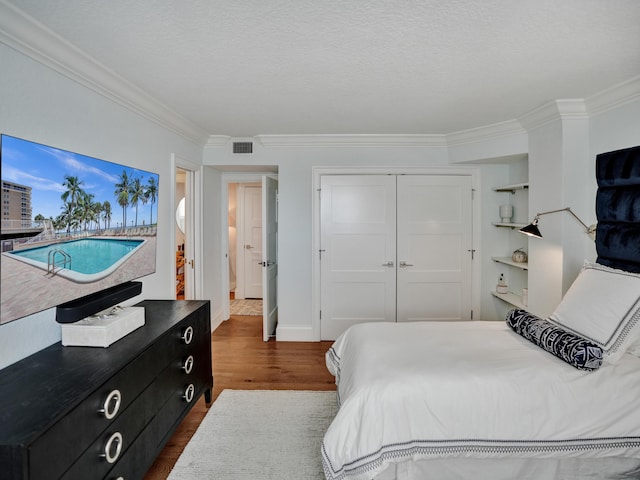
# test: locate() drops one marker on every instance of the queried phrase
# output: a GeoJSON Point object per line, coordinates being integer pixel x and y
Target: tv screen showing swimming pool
{"type": "Point", "coordinates": [72, 225]}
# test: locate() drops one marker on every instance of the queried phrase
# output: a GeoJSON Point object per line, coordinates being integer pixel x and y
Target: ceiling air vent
{"type": "Point", "coordinates": [242, 147]}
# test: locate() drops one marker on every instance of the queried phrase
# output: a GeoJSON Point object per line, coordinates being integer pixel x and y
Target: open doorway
{"type": "Point", "coordinates": [186, 228]}
{"type": "Point", "coordinates": [250, 202]}
{"type": "Point", "coordinates": [245, 249]}
{"type": "Point", "coordinates": [245, 241]}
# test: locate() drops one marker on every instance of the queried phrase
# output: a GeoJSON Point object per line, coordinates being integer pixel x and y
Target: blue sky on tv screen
{"type": "Point", "coordinates": [44, 168]}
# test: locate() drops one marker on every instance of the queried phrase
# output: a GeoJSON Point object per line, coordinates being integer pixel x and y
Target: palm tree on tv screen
{"type": "Point", "coordinates": [106, 213]}
{"type": "Point", "coordinates": [73, 190]}
{"type": "Point", "coordinates": [85, 210]}
{"type": "Point", "coordinates": [122, 195]}
{"type": "Point", "coordinates": [151, 195]}
{"type": "Point", "coordinates": [137, 195]}
{"type": "Point", "coordinates": [97, 212]}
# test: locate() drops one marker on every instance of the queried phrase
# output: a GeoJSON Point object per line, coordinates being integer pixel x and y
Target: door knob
{"type": "Point", "coordinates": [248, 247]}
{"type": "Point", "coordinates": [388, 264]}
{"type": "Point", "coordinates": [405, 264]}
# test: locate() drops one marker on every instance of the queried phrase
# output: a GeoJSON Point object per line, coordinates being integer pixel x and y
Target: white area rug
{"type": "Point", "coordinates": [246, 307]}
{"type": "Point", "coordinates": [259, 434]}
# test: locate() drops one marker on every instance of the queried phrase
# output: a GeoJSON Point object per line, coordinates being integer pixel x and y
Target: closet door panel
{"type": "Point", "coordinates": [358, 242]}
{"type": "Point", "coordinates": [434, 242]}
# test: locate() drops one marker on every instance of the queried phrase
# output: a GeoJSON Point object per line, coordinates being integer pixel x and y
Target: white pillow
{"type": "Point", "coordinates": [603, 306]}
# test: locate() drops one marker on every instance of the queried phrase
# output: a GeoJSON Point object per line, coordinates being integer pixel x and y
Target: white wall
{"type": "Point", "coordinates": [38, 104]}
{"type": "Point", "coordinates": [295, 164]}
{"type": "Point", "coordinates": [613, 130]}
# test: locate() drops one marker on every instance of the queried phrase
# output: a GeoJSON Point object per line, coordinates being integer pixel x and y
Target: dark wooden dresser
{"type": "Point", "coordinates": [105, 413]}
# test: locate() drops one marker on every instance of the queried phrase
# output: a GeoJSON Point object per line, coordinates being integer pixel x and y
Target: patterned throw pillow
{"type": "Point", "coordinates": [573, 349]}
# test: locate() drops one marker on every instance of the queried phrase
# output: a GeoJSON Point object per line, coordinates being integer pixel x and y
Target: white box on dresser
{"type": "Point", "coordinates": [104, 328]}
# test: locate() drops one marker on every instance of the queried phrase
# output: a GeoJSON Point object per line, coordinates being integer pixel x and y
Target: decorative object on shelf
{"type": "Point", "coordinates": [519, 256]}
{"type": "Point", "coordinates": [525, 296]}
{"type": "Point", "coordinates": [506, 212]}
{"type": "Point", "coordinates": [502, 287]}
{"type": "Point", "coordinates": [533, 231]}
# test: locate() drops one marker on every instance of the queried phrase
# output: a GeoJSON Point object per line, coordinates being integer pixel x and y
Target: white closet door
{"type": "Point", "coordinates": [434, 247]}
{"type": "Point", "coordinates": [358, 250]}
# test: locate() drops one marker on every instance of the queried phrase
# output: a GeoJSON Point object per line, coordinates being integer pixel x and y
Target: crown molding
{"type": "Point", "coordinates": [616, 96]}
{"type": "Point", "coordinates": [501, 129]}
{"type": "Point", "coordinates": [416, 140]}
{"type": "Point", "coordinates": [29, 37]}
{"type": "Point", "coordinates": [564, 109]}
{"type": "Point", "coordinates": [216, 141]}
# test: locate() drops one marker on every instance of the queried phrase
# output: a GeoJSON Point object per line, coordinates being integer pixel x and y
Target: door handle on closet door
{"type": "Point", "coordinates": [388, 264]}
{"type": "Point", "coordinates": [405, 264]}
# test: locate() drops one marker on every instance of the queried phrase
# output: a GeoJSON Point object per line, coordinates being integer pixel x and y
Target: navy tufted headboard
{"type": "Point", "coordinates": [618, 209]}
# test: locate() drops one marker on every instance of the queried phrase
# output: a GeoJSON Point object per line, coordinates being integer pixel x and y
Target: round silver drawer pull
{"type": "Point", "coordinates": [187, 366]}
{"type": "Point", "coordinates": [188, 393]}
{"type": "Point", "coordinates": [113, 448]}
{"type": "Point", "coordinates": [187, 336]}
{"type": "Point", "coordinates": [111, 404]}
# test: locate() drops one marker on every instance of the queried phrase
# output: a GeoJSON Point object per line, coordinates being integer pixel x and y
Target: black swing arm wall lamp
{"type": "Point", "coordinates": [533, 231]}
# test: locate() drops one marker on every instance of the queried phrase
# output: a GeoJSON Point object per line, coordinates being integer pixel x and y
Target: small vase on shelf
{"type": "Point", "coordinates": [502, 286]}
{"type": "Point", "coordinates": [506, 212]}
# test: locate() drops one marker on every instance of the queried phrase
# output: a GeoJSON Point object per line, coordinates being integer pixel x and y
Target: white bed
{"type": "Point", "coordinates": [529, 398]}
{"type": "Point", "coordinates": [475, 391]}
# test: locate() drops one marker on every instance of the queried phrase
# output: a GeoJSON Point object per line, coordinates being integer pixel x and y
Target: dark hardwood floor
{"type": "Point", "coordinates": [242, 361]}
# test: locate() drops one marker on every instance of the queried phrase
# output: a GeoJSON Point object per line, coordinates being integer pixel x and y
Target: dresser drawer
{"type": "Point", "coordinates": [110, 445]}
{"type": "Point", "coordinates": [137, 459]}
{"type": "Point", "coordinates": [49, 458]}
{"type": "Point", "coordinates": [123, 433]}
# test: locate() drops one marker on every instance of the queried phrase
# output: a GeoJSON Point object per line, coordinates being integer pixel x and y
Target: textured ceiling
{"type": "Point", "coordinates": [249, 67]}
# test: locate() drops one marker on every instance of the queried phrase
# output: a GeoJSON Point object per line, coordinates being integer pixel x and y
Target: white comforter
{"type": "Point", "coordinates": [470, 389]}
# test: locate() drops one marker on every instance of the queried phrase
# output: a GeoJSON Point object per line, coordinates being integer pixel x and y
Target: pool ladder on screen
{"type": "Point", "coordinates": [65, 262]}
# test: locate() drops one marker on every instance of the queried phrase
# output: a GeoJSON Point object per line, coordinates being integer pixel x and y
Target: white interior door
{"type": "Point", "coordinates": [252, 241]}
{"type": "Point", "coordinates": [269, 257]}
{"type": "Point", "coordinates": [189, 237]}
{"type": "Point", "coordinates": [434, 247]}
{"type": "Point", "coordinates": [187, 229]}
{"type": "Point", "coordinates": [394, 248]}
{"type": "Point", "coordinates": [358, 251]}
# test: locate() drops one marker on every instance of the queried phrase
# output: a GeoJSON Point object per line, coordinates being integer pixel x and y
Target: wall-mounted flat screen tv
{"type": "Point", "coordinates": [72, 225]}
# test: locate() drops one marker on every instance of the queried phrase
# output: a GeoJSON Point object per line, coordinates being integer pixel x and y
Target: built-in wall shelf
{"type": "Point", "coordinates": [511, 298]}
{"type": "Point", "coordinates": [509, 261]}
{"type": "Point", "coordinates": [509, 225]}
{"type": "Point", "coordinates": [515, 274]}
{"type": "Point", "coordinates": [512, 188]}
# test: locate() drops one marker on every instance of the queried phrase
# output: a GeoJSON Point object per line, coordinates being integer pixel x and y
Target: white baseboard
{"type": "Point", "coordinates": [286, 333]}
